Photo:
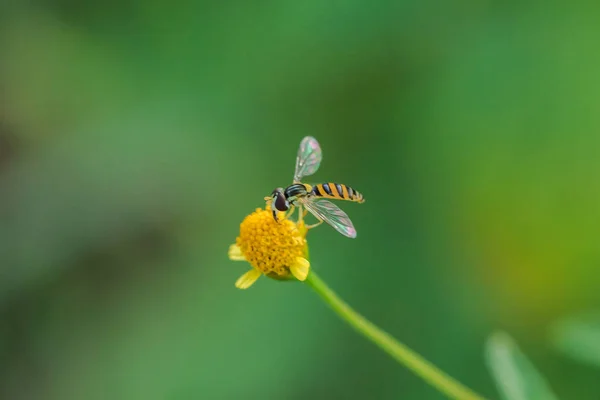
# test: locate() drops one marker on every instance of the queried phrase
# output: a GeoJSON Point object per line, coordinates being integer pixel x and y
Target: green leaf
{"type": "Point", "coordinates": [516, 377]}
{"type": "Point", "coordinates": [578, 337]}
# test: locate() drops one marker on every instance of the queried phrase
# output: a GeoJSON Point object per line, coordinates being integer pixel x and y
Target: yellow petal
{"type": "Point", "coordinates": [246, 280]}
{"type": "Point", "coordinates": [300, 268]}
{"type": "Point", "coordinates": [235, 253]}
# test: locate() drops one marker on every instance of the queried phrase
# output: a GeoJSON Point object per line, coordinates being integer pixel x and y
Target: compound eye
{"type": "Point", "coordinates": [280, 202]}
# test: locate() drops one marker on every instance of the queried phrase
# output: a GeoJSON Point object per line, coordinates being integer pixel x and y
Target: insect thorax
{"type": "Point", "coordinates": [296, 190]}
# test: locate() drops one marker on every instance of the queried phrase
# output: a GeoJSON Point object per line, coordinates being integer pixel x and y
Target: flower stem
{"type": "Point", "coordinates": [413, 361]}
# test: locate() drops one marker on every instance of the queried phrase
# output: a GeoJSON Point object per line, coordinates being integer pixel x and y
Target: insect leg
{"type": "Point", "coordinates": [315, 225]}
{"type": "Point", "coordinates": [291, 211]}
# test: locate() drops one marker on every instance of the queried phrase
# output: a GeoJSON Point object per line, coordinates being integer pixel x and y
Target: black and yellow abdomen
{"type": "Point", "coordinates": [338, 191]}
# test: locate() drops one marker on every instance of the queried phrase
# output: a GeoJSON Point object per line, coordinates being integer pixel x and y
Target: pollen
{"type": "Point", "coordinates": [277, 249]}
{"type": "Point", "coordinates": [268, 245]}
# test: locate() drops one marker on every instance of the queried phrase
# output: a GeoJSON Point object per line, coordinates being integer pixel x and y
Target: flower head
{"type": "Point", "coordinates": [277, 249]}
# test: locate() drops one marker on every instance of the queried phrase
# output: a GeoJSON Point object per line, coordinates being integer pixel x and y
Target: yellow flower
{"type": "Point", "coordinates": [277, 249]}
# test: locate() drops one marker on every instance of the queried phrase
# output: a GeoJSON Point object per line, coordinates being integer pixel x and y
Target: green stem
{"type": "Point", "coordinates": [429, 372]}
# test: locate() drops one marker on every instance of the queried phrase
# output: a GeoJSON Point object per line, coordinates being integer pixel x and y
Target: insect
{"type": "Point", "coordinates": [312, 198]}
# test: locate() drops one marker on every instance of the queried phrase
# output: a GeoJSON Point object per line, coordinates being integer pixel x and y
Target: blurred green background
{"type": "Point", "coordinates": [136, 135]}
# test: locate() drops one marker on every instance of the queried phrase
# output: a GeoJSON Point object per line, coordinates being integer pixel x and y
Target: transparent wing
{"type": "Point", "coordinates": [308, 159]}
{"type": "Point", "coordinates": [332, 214]}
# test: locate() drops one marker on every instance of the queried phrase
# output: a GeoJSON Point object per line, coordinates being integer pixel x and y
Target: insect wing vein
{"type": "Point", "coordinates": [308, 158]}
{"type": "Point", "coordinates": [332, 214]}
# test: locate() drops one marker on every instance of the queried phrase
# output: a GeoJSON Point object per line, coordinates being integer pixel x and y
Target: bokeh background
{"type": "Point", "coordinates": [136, 135]}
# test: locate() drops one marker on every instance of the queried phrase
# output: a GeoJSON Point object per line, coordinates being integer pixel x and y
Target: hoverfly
{"type": "Point", "coordinates": [312, 197]}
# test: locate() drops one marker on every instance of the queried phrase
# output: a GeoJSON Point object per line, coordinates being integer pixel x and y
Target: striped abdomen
{"type": "Point", "coordinates": [339, 191]}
